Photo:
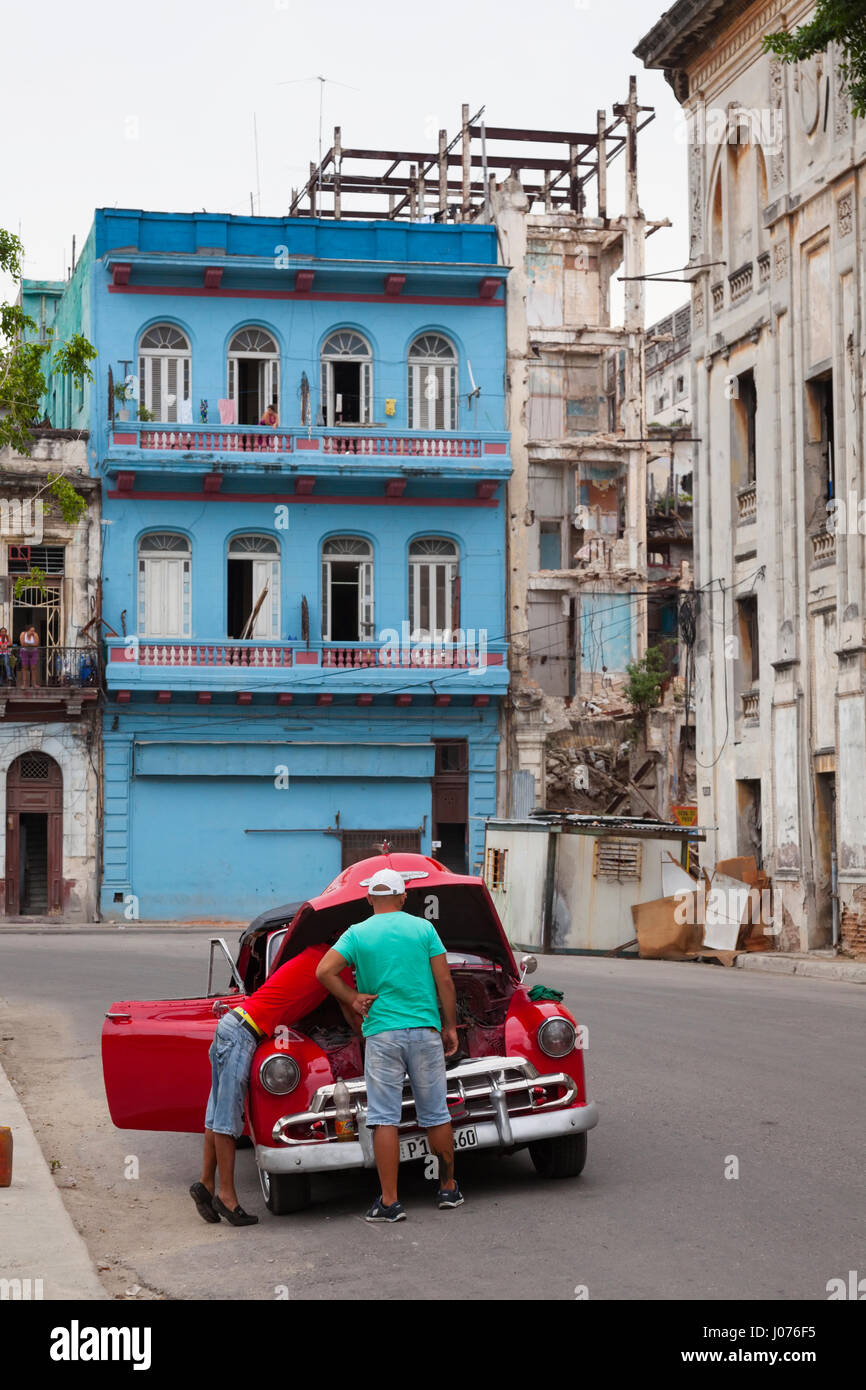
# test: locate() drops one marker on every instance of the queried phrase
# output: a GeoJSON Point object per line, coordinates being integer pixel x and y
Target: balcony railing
{"type": "Point", "coordinates": [412, 655]}
{"type": "Point", "coordinates": [71, 667]}
{"type": "Point", "coordinates": [260, 656]}
{"type": "Point", "coordinates": [230, 439]}
{"type": "Point", "coordinates": [747, 503]}
{"type": "Point", "coordinates": [751, 702]}
{"type": "Point", "coordinates": [381, 448]}
{"type": "Point", "coordinates": [740, 282]}
{"type": "Point", "coordinates": [824, 548]}
{"type": "Point", "coordinates": [470, 653]}
{"type": "Point", "coordinates": [423, 446]}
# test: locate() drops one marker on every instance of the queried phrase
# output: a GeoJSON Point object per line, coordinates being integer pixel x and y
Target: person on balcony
{"type": "Point", "coordinates": [5, 653]}
{"type": "Point", "coordinates": [271, 416]}
{"type": "Point", "coordinates": [28, 655]}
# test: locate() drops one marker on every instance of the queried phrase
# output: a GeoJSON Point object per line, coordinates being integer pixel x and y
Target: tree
{"type": "Point", "coordinates": [834, 21]}
{"type": "Point", "coordinates": [644, 687]}
{"type": "Point", "coordinates": [22, 379]}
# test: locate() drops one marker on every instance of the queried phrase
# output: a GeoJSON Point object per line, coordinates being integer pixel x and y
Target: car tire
{"type": "Point", "coordinates": [563, 1157]}
{"type": "Point", "coordinates": [285, 1192]}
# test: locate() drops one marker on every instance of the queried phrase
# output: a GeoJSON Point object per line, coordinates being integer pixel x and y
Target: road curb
{"type": "Point", "coordinates": [39, 1240]}
{"type": "Point", "coordinates": [850, 972]}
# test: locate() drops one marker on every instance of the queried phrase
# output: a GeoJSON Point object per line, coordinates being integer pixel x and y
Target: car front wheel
{"type": "Point", "coordinates": [563, 1157]}
{"type": "Point", "coordinates": [285, 1192]}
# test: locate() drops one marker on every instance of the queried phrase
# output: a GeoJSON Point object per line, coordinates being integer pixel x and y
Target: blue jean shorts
{"type": "Point", "coordinates": [389, 1058]}
{"type": "Point", "coordinates": [231, 1056]}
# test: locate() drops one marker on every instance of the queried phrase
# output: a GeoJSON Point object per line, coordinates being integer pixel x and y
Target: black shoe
{"type": "Point", "coordinates": [238, 1217]}
{"type": "Point", "coordinates": [379, 1212]}
{"type": "Point", "coordinates": [204, 1202]}
{"type": "Point", "coordinates": [449, 1197]}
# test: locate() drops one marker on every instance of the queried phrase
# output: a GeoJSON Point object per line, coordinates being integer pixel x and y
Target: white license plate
{"type": "Point", "coordinates": [466, 1137]}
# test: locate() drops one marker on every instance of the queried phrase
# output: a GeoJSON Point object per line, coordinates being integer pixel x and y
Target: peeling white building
{"type": "Point", "coordinates": [776, 193]}
{"type": "Point", "coordinates": [50, 741]}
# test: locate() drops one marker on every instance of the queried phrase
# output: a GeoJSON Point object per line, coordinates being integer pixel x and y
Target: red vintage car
{"type": "Point", "coordinates": [517, 1079]}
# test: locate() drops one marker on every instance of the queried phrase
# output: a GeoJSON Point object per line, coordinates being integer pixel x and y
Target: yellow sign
{"type": "Point", "coordinates": [685, 815]}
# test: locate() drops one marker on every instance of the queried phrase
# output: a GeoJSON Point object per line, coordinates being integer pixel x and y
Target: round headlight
{"type": "Point", "coordinates": [279, 1074]}
{"type": "Point", "coordinates": [556, 1036]}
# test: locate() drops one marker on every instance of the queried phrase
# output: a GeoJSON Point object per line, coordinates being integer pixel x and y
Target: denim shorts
{"type": "Point", "coordinates": [389, 1057]}
{"type": "Point", "coordinates": [231, 1056]}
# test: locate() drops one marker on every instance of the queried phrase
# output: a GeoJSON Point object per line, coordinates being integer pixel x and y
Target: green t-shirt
{"type": "Point", "coordinates": [391, 953]}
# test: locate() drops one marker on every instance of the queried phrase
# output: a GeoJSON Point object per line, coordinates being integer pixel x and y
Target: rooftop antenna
{"type": "Point", "coordinates": [258, 177]}
{"type": "Point", "coordinates": [293, 81]}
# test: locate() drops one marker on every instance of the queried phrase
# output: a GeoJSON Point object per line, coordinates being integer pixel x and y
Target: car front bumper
{"type": "Point", "coordinates": [358, 1153]}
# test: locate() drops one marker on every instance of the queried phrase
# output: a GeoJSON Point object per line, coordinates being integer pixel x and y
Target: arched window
{"type": "Point", "coordinates": [164, 369]}
{"type": "Point", "coordinates": [434, 586]}
{"type": "Point", "coordinates": [164, 590]}
{"type": "Point", "coordinates": [347, 589]}
{"type": "Point", "coordinates": [347, 388]}
{"type": "Point", "coordinates": [253, 374]}
{"type": "Point", "coordinates": [253, 587]}
{"type": "Point", "coordinates": [432, 384]}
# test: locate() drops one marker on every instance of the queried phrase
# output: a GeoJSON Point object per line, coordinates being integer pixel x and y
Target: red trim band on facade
{"type": "Point", "coordinates": [189, 291]}
{"type": "Point", "coordinates": [303, 500]}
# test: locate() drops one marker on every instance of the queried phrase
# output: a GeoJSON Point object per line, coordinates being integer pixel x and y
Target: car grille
{"type": "Point", "coordinates": [483, 1088]}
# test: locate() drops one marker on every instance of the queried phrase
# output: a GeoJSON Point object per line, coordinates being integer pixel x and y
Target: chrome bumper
{"type": "Point", "coordinates": [520, 1129]}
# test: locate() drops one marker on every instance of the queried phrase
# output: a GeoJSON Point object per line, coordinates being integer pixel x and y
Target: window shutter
{"type": "Point", "coordinates": [365, 591]}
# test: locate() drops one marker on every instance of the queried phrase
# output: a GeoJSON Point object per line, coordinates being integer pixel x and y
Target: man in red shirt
{"type": "Point", "coordinates": [287, 996]}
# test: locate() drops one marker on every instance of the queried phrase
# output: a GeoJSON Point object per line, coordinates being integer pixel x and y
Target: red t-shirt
{"type": "Point", "coordinates": [290, 993]}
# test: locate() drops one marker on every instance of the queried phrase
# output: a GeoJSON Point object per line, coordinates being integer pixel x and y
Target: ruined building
{"type": "Point", "coordinates": [777, 168]}
{"type": "Point", "coordinates": [580, 600]}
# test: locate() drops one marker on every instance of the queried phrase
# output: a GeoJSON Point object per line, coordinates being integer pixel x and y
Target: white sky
{"type": "Point", "coordinates": [152, 106]}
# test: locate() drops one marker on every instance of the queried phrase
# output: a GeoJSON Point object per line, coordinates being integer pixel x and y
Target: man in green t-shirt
{"type": "Point", "coordinates": [400, 964]}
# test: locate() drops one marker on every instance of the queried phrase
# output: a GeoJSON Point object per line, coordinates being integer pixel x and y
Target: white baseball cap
{"type": "Point", "coordinates": [386, 882]}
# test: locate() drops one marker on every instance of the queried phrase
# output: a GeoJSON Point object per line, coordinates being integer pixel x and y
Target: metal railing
{"type": "Point", "coordinates": [53, 666]}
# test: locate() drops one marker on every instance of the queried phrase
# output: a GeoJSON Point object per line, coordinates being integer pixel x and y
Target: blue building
{"type": "Point", "coordinates": [299, 425]}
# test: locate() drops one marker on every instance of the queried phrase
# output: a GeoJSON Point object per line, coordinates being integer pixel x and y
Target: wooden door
{"type": "Point", "coordinates": [34, 785]}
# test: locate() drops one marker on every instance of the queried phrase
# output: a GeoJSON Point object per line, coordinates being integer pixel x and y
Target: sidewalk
{"type": "Point", "coordinates": [818, 965]}
{"type": "Point", "coordinates": [38, 1240]}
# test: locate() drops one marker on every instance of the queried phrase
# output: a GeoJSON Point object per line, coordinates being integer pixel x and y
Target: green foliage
{"type": "Point", "coordinates": [834, 21]}
{"type": "Point", "coordinates": [23, 364]}
{"type": "Point", "coordinates": [72, 504]}
{"type": "Point", "coordinates": [644, 687]}
{"type": "Point", "coordinates": [34, 579]}
{"type": "Point", "coordinates": [73, 359]}
{"type": "Point", "coordinates": [145, 414]}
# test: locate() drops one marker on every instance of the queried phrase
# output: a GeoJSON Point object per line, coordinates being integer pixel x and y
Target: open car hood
{"type": "Point", "coordinates": [463, 913]}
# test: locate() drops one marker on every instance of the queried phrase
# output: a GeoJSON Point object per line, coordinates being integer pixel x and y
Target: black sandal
{"type": "Point", "coordinates": [204, 1202]}
{"type": "Point", "coordinates": [238, 1217]}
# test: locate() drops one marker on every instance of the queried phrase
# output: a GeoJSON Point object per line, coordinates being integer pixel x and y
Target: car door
{"type": "Point", "coordinates": [155, 1060]}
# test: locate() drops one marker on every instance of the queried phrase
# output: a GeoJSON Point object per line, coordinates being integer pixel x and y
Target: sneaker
{"type": "Point", "coordinates": [449, 1197]}
{"type": "Point", "coordinates": [379, 1212]}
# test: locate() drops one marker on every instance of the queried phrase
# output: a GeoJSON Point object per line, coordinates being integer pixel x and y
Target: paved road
{"type": "Point", "coordinates": [691, 1065]}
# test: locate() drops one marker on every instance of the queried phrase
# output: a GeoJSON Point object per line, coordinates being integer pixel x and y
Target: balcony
{"type": "Point", "coordinates": [747, 504]}
{"type": "Point", "coordinates": [751, 705]}
{"type": "Point", "coordinates": [740, 282]}
{"type": "Point", "coordinates": [281, 670]}
{"type": "Point", "coordinates": [212, 452]}
{"type": "Point", "coordinates": [823, 548]}
{"type": "Point", "coordinates": [63, 679]}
